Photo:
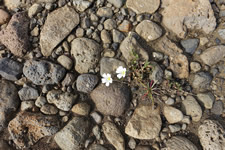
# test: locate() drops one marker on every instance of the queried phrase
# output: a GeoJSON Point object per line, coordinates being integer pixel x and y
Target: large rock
{"type": "Point", "coordinates": [58, 25]}
{"type": "Point", "coordinates": [86, 82]}
{"type": "Point", "coordinates": [112, 100]}
{"type": "Point", "coordinates": [15, 35]}
{"type": "Point", "coordinates": [179, 142]}
{"type": "Point", "coordinates": [109, 65]}
{"type": "Point", "coordinates": [192, 108]}
{"type": "Point", "coordinates": [113, 135]}
{"type": "Point", "coordinates": [27, 128]}
{"type": "Point", "coordinates": [145, 123]}
{"type": "Point", "coordinates": [10, 69]}
{"type": "Point", "coordinates": [9, 102]}
{"type": "Point", "coordinates": [211, 135]}
{"type": "Point", "coordinates": [62, 100]}
{"type": "Point", "coordinates": [213, 55]}
{"type": "Point", "coordinates": [143, 6]}
{"type": "Point", "coordinates": [86, 53]}
{"type": "Point", "coordinates": [130, 46]}
{"type": "Point", "coordinates": [74, 134]}
{"type": "Point", "coordinates": [178, 62]}
{"type": "Point", "coordinates": [149, 30]}
{"type": "Point", "coordinates": [43, 72]}
{"type": "Point", "coordinates": [181, 16]}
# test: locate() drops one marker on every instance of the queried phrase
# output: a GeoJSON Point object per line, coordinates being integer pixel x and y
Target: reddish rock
{"type": "Point", "coordinates": [4, 17]}
{"type": "Point", "coordinates": [27, 128]}
{"type": "Point", "coordinates": [15, 35]}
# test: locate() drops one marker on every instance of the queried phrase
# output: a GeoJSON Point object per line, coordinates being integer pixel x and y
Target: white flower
{"type": "Point", "coordinates": [121, 72]}
{"type": "Point", "coordinates": [106, 78]}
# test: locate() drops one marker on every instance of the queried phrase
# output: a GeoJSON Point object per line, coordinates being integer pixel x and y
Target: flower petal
{"type": "Point", "coordinates": [103, 80]}
{"type": "Point", "coordinates": [104, 75]}
{"type": "Point", "coordinates": [107, 84]}
{"type": "Point", "coordinates": [119, 76]}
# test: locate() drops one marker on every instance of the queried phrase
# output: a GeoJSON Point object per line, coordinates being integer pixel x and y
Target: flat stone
{"type": "Point", "coordinates": [65, 61]}
{"type": "Point", "coordinates": [82, 109]}
{"type": "Point", "coordinates": [207, 99]}
{"type": "Point", "coordinates": [9, 102]}
{"type": "Point", "coordinates": [109, 65]}
{"type": "Point", "coordinates": [43, 72]}
{"type": "Point", "coordinates": [96, 147]}
{"type": "Point", "coordinates": [62, 100]}
{"type": "Point", "coordinates": [125, 26]}
{"type": "Point", "coordinates": [213, 55]}
{"type": "Point", "coordinates": [86, 82]}
{"type": "Point", "coordinates": [192, 108]}
{"type": "Point", "coordinates": [178, 62]}
{"type": "Point", "coordinates": [4, 17]}
{"type": "Point", "coordinates": [74, 134]}
{"type": "Point", "coordinates": [28, 93]}
{"type": "Point", "coordinates": [117, 3]}
{"type": "Point", "coordinates": [172, 114]}
{"type": "Point", "coordinates": [86, 53]}
{"type": "Point", "coordinates": [34, 9]}
{"type": "Point", "coordinates": [58, 25]}
{"type": "Point", "coordinates": [190, 45]}
{"type": "Point", "coordinates": [129, 46]}
{"type": "Point", "coordinates": [145, 123]}
{"type": "Point", "coordinates": [81, 5]}
{"type": "Point", "coordinates": [28, 128]}
{"type": "Point", "coordinates": [105, 12]}
{"type": "Point", "coordinates": [10, 69]}
{"type": "Point", "coordinates": [179, 142]}
{"type": "Point", "coordinates": [113, 135]}
{"type": "Point", "coordinates": [48, 109]}
{"type": "Point", "coordinates": [112, 100]}
{"type": "Point", "coordinates": [143, 6]}
{"type": "Point", "coordinates": [15, 35]}
{"type": "Point", "coordinates": [211, 135]}
{"type": "Point", "coordinates": [181, 16]}
{"type": "Point", "coordinates": [201, 81]}
{"type": "Point", "coordinates": [149, 30]}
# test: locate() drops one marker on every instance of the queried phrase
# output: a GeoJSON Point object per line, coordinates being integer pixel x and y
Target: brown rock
{"type": "Point", "coordinates": [178, 143]}
{"type": "Point", "coordinates": [27, 128]}
{"type": "Point", "coordinates": [180, 16]}
{"type": "Point", "coordinates": [112, 100]}
{"type": "Point", "coordinates": [4, 17]}
{"type": "Point", "coordinates": [15, 35]}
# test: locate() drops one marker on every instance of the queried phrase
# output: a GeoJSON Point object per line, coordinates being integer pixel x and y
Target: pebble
{"type": "Point", "coordinates": [207, 99]}
{"type": "Point", "coordinates": [106, 37]}
{"type": "Point", "coordinates": [125, 26]}
{"type": "Point", "coordinates": [174, 128]}
{"type": "Point", "coordinates": [117, 3]}
{"type": "Point", "coordinates": [170, 101]}
{"type": "Point", "coordinates": [82, 5]}
{"type": "Point", "coordinates": [105, 12]}
{"type": "Point", "coordinates": [82, 109]}
{"type": "Point", "coordinates": [110, 24]}
{"type": "Point", "coordinates": [86, 82]}
{"type": "Point", "coordinates": [201, 81]}
{"type": "Point", "coordinates": [108, 53]}
{"type": "Point", "coordinates": [80, 32]}
{"type": "Point", "coordinates": [65, 61]}
{"type": "Point", "coordinates": [132, 143]}
{"type": "Point", "coordinates": [96, 131]}
{"type": "Point", "coordinates": [68, 80]}
{"type": "Point", "coordinates": [190, 45]}
{"type": "Point", "coordinates": [97, 117]}
{"type": "Point", "coordinates": [186, 119]}
{"type": "Point", "coordinates": [40, 101]}
{"type": "Point", "coordinates": [195, 66]}
{"type": "Point", "coordinates": [117, 36]}
{"type": "Point", "coordinates": [156, 74]}
{"type": "Point", "coordinates": [26, 105]}
{"type": "Point", "coordinates": [158, 56]}
{"type": "Point", "coordinates": [141, 147]}
{"type": "Point", "coordinates": [49, 109]}
{"type": "Point", "coordinates": [34, 9]}
{"type": "Point", "coordinates": [172, 114]}
{"type": "Point", "coordinates": [4, 17]}
{"type": "Point", "coordinates": [217, 108]}
{"type": "Point", "coordinates": [35, 31]}
{"type": "Point", "coordinates": [28, 93]}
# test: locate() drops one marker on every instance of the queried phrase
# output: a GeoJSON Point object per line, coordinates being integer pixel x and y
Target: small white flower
{"type": "Point", "coordinates": [106, 78]}
{"type": "Point", "coordinates": [121, 72]}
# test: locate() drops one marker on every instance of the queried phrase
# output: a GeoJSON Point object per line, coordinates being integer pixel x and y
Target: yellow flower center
{"type": "Point", "coordinates": [108, 78]}
{"type": "Point", "coordinates": [123, 73]}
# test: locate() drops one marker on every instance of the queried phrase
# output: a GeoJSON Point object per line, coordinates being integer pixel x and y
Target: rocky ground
{"type": "Point", "coordinates": [53, 54]}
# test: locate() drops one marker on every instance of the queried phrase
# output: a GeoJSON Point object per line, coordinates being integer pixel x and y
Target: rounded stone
{"type": "Point", "coordinates": [86, 82]}
{"type": "Point", "coordinates": [4, 17]}
{"type": "Point", "coordinates": [172, 114]}
{"type": "Point", "coordinates": [65, 61]}
{"type": "Point", "coordinates": [82, 109]}
{"type": "Point", "coordinates": [49, 109]}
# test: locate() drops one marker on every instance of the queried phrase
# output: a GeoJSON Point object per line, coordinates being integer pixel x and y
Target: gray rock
{"type": "Point", "coordinates": [217, 108]}
{"type": "Point", "coordinates": [58, 25]}
{"type": "Point", "coordinates": [62, 100]}
{"type": "Point", "coordinates": [172, 114]}
{"type": "Point", "coordinates": [96, 147]}
{"type": "Point", "coordinates": [178, 143]}
{"type": "Point", "coordinates": [211, 135]}
{"type": "Point", "coordinates": [28, 93]}
{"type": "Point", "coordinates": [34, 9]}
{"type": "Point", "coordinates": [110, 24]}
{"type": "Point", "coordinates": [85, 23]}
{"type": "Point", "coordinates": [86, 82]}
{"type": "Point", "coordinates": [26, 105]}
{"type": "Point", "coordinates": [117, 3]}
{"type": "Point", "coordinates": [15, 35]}
{"type": "Point", "coordinates": [129, 46]}
{"type": "Point", "coordinates": [145, 123]}
{"type": "Point", "coordinates": [149, 30]}
{"type": "Point", "coordinates": [112, 100]}
{"type": "Point", "coordinates": [29, 123]}
{"type": "Point", "coordinates": [74, 134]}
{"type": "Point", "coordinates": [213, 55]}
{"type": "Point", "coordinates": [181, 16]}
{"type": "Point", "coordinates": [201, 81]}
{"type": "Point", "coordinates": [10, 69]}
{"type": "Point", "coordinates": [207, 99]}
{"type": "Point", "coordinates": [9, 102]}
{"type": "Point", "coordinates": [143, 6]}
{"type": "Point", "coordinates": [174, 128]}
{"type": "Point", "coordinates": [105, 37]}
{"type": "Point", "coordinates": [43, 72]}
{"type": "Point", "coordinates": [81, 5]}
{"type": "Point", "coordinates": [68, 80]}
{"type": "Point", "coordinates": [118, 36]}
{"type": "Point", "coordinates": [109, 65]}
{"type": "Point", "coordinates": [86, 53]}
{"type": "Point", "coordinates": [192, 108]}
{"type": "Point", "coordinates": [40, 101]}
{"type": "Point", "coordinates": [156, 74]}
{"type": "Point", "coordinates": [105, 12]}
{"type": "Point", "coordinates": [190, 45]}
{"type": "Point", "coordinates": [48, 109]}
{"type": "Point", "coordinates": [113, 135]}
{"type": "Point", "coordinates": [221, 32]}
